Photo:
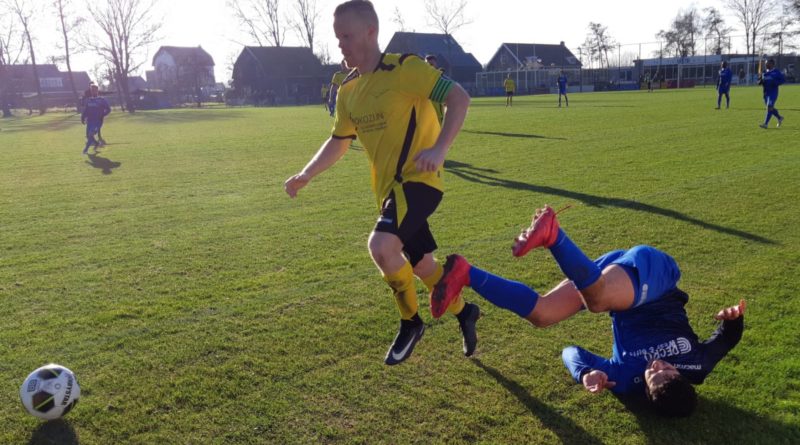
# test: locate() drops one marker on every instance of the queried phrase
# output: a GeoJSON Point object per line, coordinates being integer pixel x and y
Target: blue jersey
{"type": "Point", "coordinates": [770, 81]}
{"type": "Point", "coordinates": [562, 83]}
{"type": "Point", "coordinates": [656, 330]}
{"type": "Point", "coordinates": [725, 77]}
{"type": "Point", "coordinates": [95, 110]}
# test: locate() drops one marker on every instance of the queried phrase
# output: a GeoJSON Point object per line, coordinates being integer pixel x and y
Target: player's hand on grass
{"type": "Point", "coordinates": [733, 312]}
{"type": "Point", "coordinates": [429, 160]}
{"type": "Point", "coordinates": [295, 183]}
{"type": "Point", "coordinates": [596, 381]}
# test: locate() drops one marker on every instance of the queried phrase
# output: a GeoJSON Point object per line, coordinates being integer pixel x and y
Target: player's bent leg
{"type": "Point", "coordinates": [613, 291]}
{"type": "Point", "coordinates": [561, 303]}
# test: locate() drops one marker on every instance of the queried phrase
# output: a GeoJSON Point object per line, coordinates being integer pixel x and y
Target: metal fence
{"type": "Point", "coordinates": [629, 66]}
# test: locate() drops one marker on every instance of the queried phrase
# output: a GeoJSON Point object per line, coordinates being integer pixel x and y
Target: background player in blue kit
{"type": "Point", "coordinates": [95, 109]}
{"type": "Point", "coordinates": [655, 354]}
{"type": "Point", "coordinates": [770, 81]}
{"type": "Point", "coordinates": [724, 85]}
{"type": "Point", "coordinates": [562, 88]}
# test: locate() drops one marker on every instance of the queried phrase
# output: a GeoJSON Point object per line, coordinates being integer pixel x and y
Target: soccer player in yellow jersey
{"type": "Point", "coordinates": [510, 86]}
{"type": "Point", "coordinates": [324, 92]}
{"type": "Point", "coordinates": [336, 83]}
{"type": "Point", "coordinates": [386, 102]}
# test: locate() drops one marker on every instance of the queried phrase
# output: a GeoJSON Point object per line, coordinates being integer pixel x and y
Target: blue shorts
{"type": "Point", "coordinates": [653, 272]}
{"type": "Point", "coordinates": [724, 90]}
{"type": "Point", "coordinates": [562, 91]}
{"type": "Point", "coordinates": [770, 99]}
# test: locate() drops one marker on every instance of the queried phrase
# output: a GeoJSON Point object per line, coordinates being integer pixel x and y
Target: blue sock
{"type": "Point", "coordinates": [511, 295]}
{"type": "Point", "coordinates": [719, 100]}
{"type": "Point", "coordinates": [769, 116]}
{"type": "Point", "coordinates": [775, 112]}
{"type": "Point", "coordinates": [573, 262]}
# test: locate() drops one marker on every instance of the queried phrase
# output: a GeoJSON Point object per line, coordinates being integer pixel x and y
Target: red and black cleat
{"type": "Point", "coordinates": [454, 278]}
{"type": "Point", "coordinates": [543, 232]}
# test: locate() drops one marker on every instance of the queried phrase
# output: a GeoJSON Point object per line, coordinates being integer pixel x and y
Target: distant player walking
{"type": "Point", "coordinates": [95, 109]}
{"type": "Point", "coordinates": [724, 85]}
{"type": "Point", "coordinates": [386, 101]}
{"type": "Point", "coordinates": [509, 86]}
{"type": "Point", "coordinates": [324, 93]}
{"type": "Point", "coordinates": [562, 88]}
{"type": "Point", "coordinates": [770, 81]}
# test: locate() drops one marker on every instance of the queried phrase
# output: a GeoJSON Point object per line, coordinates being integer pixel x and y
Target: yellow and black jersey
{"type": "Point", "coordinates": [338, 77]}
{"type": "Point", "coordinates": [510, 85]}
{"type": "Point", "coordinates": [391, 112]}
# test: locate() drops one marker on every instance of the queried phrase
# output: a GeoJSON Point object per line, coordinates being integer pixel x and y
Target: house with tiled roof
{"type": "Point", "coordinates": [532, 56]}
{"type": "Point", "coordinates": [458, 64]}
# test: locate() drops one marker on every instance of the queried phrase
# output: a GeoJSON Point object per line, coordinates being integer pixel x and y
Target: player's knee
{"type": "Point", "coordinates": [381, 248]}
{"type": "Point", "coordinates": [595, 305]}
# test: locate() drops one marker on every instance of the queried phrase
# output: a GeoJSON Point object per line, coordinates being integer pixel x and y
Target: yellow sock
{"type": "Point", "coordinates": [405, 293]}
{"type": "Point", "coordinates": [433, 278]}
{"type": "Point", "coordinates": [430, 281]}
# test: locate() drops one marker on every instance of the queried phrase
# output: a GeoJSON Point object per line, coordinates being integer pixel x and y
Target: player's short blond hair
{"type": "Point", "coordinates": [362, 8]}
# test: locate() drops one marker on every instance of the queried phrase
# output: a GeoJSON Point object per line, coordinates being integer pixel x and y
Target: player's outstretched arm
{"type": "Point", "coordinates": [456, 105]}
{"type": "Point", "coordinates": [331, 151]}
{"type": "Point", "coordinates": [733, 312]}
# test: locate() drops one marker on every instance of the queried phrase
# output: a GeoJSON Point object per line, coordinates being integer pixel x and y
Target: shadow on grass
{"type": "Point", "coordinates": [567, 431]}
{"type": "Point", "coordinates": [712, 422]}
{"type": "Point", "coordinates": [469, 173]}
{"type": "Point", "coordinates": [104, 164]}
{"type": "Point", "coordinates": [188, 115]}
{"type": "Point", "coordinates": [46, 122]}
{"type": "Point", "coordinates": [511, 135]}
{"type": "Point", "coordinates": [54, 432]}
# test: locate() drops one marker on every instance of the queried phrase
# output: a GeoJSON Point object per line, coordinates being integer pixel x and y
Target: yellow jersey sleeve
{"type": "Point", "coordinates": [343, 126]}
{"type": "Point", "coordinates": [418, 78]}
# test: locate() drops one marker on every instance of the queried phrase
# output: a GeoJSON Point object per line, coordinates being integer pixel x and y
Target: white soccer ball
{"type": "Point", "coordinates": [50, 391]}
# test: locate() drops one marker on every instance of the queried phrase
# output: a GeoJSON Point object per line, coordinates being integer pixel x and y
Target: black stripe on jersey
{"type": "Point", "coordinates": [404, 56]}
{"type": "Point", "coordinates": [383, 66]}
{"type": "Point", "coordinates": [412, 128]}
{"type": "Point", "coordinates": [350, 136]}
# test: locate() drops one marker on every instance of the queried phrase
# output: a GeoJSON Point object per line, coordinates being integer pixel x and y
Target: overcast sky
{"type": "Point", "coordinates": [210, 24]}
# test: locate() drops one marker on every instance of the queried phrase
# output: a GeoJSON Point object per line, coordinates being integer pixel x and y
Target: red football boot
{"type": "Point", "coordinates": [543, 232]}
{"type": "Point", "coordinates": [454, 278]}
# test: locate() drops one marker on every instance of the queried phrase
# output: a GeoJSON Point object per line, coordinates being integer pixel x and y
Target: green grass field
{"type": "Point", "coordinates": [198, 304]}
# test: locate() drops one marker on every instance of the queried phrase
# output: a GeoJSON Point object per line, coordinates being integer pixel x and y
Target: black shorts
{"type": "Point", "coordinates": [419, 201]}
{"type": "Point", "coordinates": [509, 93]}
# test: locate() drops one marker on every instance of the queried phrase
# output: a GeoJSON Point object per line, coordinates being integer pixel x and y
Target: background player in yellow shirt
{"type": "Point", "coordinates": [336, 83]}
{"type": "Point", "coordinates": [510, 86]}
{"type": "Point", "coordinates": [386, 101]}
{"type": "Point", "coordinates": [324, 93]}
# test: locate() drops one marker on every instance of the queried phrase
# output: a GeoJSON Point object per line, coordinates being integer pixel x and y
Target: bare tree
{"type": "Point", "coordinates": [68, 26]}
{"type": "Point", "coordinates": [683, 33]}
{"type": "Point", "coordinates": [755, 17]}
{"type": "Point", "coordinates": [783, 32]}
{"type": "Point", "coordinates": [262, 19]}
{"type": "Point", "coordinates": [398, 20]}
{"type": "Point", "coordinates": [447, 16]}
{"type": "Point", "coordinates": [24, 13]}
{"type": "Point", "coordinates": [598, 43]}
{"type": "Point", "coordinates": [126, 29]}
{"type": "Point", "coordinates": [714, 25]}
{"type": "Point", "coordinates": [12, 45]}
{"type": "Point", "coordinates": [306, 22]}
